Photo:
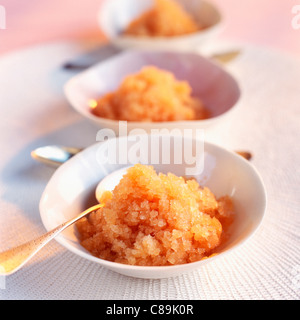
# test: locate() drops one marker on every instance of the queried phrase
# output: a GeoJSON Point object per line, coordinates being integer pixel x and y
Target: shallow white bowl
{"type": "Point", "coordinates": [115, 15]}
{"type": "Point", "coordinates": [72, 189]}
{"type": "Point", "coordinates": [218, 90]}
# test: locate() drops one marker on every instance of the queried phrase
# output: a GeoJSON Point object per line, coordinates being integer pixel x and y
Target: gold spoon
{"type": "Point", "coordinates": [225, 57]}
{"type": "Point", "coordinates": [245, 154]}
{"type": "Point", "coordinates": [13, 259]}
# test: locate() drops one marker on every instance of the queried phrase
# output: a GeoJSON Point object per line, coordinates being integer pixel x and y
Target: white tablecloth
{"type": "Point", "coordinates": [34, 112]}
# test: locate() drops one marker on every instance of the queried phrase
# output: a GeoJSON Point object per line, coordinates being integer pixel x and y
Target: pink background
{"type": "Point", "coordinates": [262, 22]}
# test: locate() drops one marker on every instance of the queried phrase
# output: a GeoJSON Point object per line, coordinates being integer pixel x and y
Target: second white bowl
{"type": "Point", "coordinates": [115, 15]}
{"type": "Point", "coordinates": [218, 90]}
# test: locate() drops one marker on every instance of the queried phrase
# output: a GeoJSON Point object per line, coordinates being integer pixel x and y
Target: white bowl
{"type": "Point", "coordinates": [72, 189]}
{"type": "Point", "coordinates": [209, 81]}
{"type": "Point", "coordinates": [115, 15]}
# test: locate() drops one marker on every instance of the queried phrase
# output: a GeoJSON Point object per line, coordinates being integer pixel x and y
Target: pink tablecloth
{"type": "Point", "coordinates": [263, 22]}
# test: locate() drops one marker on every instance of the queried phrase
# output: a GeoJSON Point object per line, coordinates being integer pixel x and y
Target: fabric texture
{"type": "Point", "coordinates": [34, 112]}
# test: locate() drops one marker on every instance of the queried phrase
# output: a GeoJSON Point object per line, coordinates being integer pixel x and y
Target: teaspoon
{"type": "Point", "coordinates": [13, 259]}
{"type": "Point", "coordinates": [55, 155]}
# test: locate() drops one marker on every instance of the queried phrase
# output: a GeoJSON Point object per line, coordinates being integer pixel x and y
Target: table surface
{"type": "Point", "coordinates": [34, 112]}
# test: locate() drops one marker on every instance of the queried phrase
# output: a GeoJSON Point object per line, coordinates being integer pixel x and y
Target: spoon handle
{"type": "Point", "coordinates": [13, 259]}
{"type": "Point", "coordinates": [55, 156]}
{"type": "Point", "coordinates": [222, 57]}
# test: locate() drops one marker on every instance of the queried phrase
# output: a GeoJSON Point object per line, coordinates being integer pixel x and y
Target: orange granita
{"type": "Point", "coordinates": [150, 95]}
{"type": "Point", "coordinates": [167, 18]}
{"type": "Point", "coordinates": [155, 219]}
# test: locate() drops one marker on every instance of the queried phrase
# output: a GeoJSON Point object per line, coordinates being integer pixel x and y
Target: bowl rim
{"type": "Point", "coordinates": [157, 39]}
{"type": "Point", "coordinates": [123, 267]}
{"type": "Point", "coordinates": [100, 120]}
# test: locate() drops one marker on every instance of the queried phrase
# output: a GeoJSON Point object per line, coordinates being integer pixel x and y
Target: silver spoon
{"type": "Point", "coordinates": [108, 51]}
{"type": "Point", "coordinates": [13, 259]}
{"type": "Point", "coordinates": [55, 156]}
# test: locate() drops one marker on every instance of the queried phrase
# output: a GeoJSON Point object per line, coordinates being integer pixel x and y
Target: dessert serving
{"type": "Point", "coordinates": [166, 19]}
{"type": "Point", "coordinates": [151, 95]}
{"type": "Point", "coordinates": [152, 219]}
